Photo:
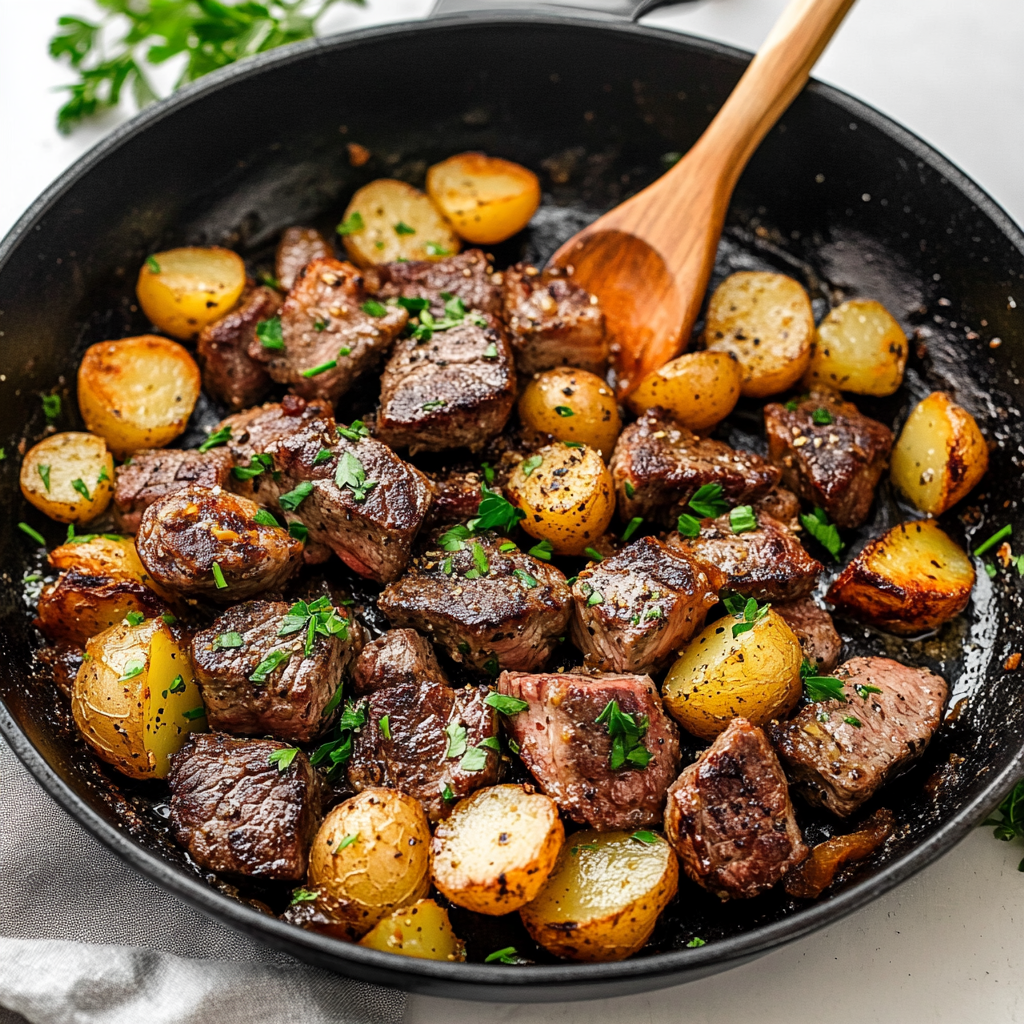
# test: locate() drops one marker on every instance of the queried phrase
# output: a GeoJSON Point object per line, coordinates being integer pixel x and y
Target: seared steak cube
{"type": "Point", "coordinates": [454, 390]}
{"type": "Point", "coordinates": [730, 818]}
{"type": "Point", "coordinates": [152, 473]}
{"type": "Point", "coordinates": [767, 562]}
{"type": "Point", "coordinates": [297, 248]}
{"type": "Point", "coordinates": [634, 609]}
{"type": "Point", "coordinates": [552, 321]}
{"type": "Point", "coordinates": [467, 276]}
{"type": "Point", "coordinates": [782, 505]}
{"type": "Point", "coordinates": [486, 607]}
{"type": "Point", "coordinates": [659, 465]}
{"type": "Point", "coordinates": [242, 807]}
{"type": "Point", "coordinates": [250, 432]}
{"type": "Point", "coordinates": [838, 753]}
{"type": "Point", "coordinates": [201, 540]}
{"type": "Point", "coordinates": [814, 629]}
{"type": "Point", "coordinates": [260, 674]}
{"type": "Point", "coordinates": [425, 740]}
{"type": "Point", "coordinates": [829, 454]}
{"type": "Point", "coordinates": [601, 747]}
{"type": "Point", "coordinates": [230, 374]}
{"type": "Point", "coordinates": [329, 915]}
{"type": "Point", "coordinates": [399, 657]}
{"type": "Point", "coordinates": [331, 330]}
{"type": "Point", "coordinates": [457, 493]}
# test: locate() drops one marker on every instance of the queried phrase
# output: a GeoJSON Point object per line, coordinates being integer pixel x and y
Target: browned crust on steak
{"type": "Point", "coordinates": [298, 247]}
{"type": "Point", "coordinates": [467, 276]}
{"type": "Point", "coordinates": [399, 657]}
{"type": "Point", "coordinates": [814, 629]}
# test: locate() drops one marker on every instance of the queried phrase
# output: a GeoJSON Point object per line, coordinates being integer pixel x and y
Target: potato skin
{"type": "Point", "coordinates": [388, 865]}
{"type": "Point", "coordinates": [487, 199]}
{"type": "Point", "coordinates": [385, 203]}
{"type": "Point", "coordinates": [766, 321]}
{"type": "Point", "coordinates": [595, 418]}
{"type": "Point", "coordinates": [422, 931]}
{"type": "Point", "coordinates": [69, 457]}
{"type": "Point", "coordinates": [911, 580]}
{"type": "Point", "coordinates": [699, 388]}
{"type": "Point", "coordinates": [137, 392]}
{"type": "Point", "coordinates": [858, 347]}
{"type": "Point", "coordinates": [183, 290]}
{"type": "Point", "coordinates": [719, 677]}
{"type": "Point", "coordinates": [940, 455]}
{"type": "Point", "coordinates": [571, 510]}
{"type": "Point", "coordinates": [603, 898]}
{"type": "Point", "coordinates": [495, 852]}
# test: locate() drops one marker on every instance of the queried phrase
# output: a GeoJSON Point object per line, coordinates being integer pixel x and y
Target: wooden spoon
{"type": "Point", "coordinates": [649, 260]}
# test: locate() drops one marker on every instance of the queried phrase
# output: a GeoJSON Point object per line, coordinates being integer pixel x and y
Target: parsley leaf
{"type": "Point", "coordinates": [645, 837]}
{"type": "Point", "coordinates": [218, 576]}
{"type": "Point", "coordinates": [474, 760]}
{"type": "Point", "coordinates": [631, 527]}
{"type": "Point", "coordinates": [495, 512]}
{"type": "Point", "coordinates": [506, 705]}
{"type": "Point", "coordinates": [752, 614]}
{"type": "Point", "coordinates": [824, 532]}
{"type": "Point", "coordinates": [401, 228]}
{"type": "Point", "coordinates": [268, 665]}
{"type": "Point", "coordinates": [218, 437]}
{"type": "Point", "coordinates": [44, 473]}
{"type": "Point", "coordinates": [135, 618]}
{"type": "Point", "coordinates": [302, 896]}
{"type": "Point", "coordinates": [542, 550]}
{"type": "Point", "coordinates": [51, 407]}
{"type": "Point", "coordinates": [228, 640]}
{"type": "Point", "coordinates": [530, 464]}
{"type": "Point", "coordinates": [707, 502]}
{"type": "Point", "coordinates": [269, 334]}
{"type": "Point", "coordinates": [265, 518]}
{"type": "Point", "coordinates": [351, 224]}
{"type": "Point", "coordinates": [688, 525]}
{"type": "Point", "coordinates": [457, 739]}
{"type": "Point", "coordinates": [371, 307]}
{"type": "Point", "coordinates": [257, 464]}
{"type": "Point", "coordinates": [742, 519]}
{"type": "Point", "coordinates": [508, 955]}
{"type": "Point", "coordinates": [355, 431]}
{"type": "Point", "coordinates": [350, 473]}
{"type": "Point", "coordinates": [283, 757]}
{"type": "Point", "coordinates": [821, 417]}
{"type": "Point", "coordinates": [294, 498]}
{"type": "Point", "coordinates": [626, 735]}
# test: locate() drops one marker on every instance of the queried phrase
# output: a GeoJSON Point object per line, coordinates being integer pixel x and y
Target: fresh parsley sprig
{"type": "Point", "coordinates": [626, 735]}
{"type": "Point", "coordinates": [817, 524]}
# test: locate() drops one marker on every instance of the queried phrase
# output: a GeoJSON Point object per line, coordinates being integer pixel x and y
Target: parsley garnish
{"type": "Point", "coordinates": [742, 519]}
{"type": "Point", "coordinates": [821, 417]}
{"type": "Point", "coordinates": [820, 688]}
{"type": "Point", "coordinates": [355, 431]}
{"type": "Point", "coordinates": [707, 501]}
{"type": "Point", "coordinates": [283, 757]}
{"type": "Point", "coordinates": [271, 662]}
{"type": "Point", "coordinates": [645, 837]}
{"type": "Point", "coordinates": [491, 352]}
{"type": "Point", "coordinates": [257, 464]}
{"type": "Point", "coordinates": [626, 734]}
{"type": "Point", "coordinates": [481, 564]}
{"type": "Point", "coordinates": [339, 749]}
{"type": "Point", "coordinates": [44, 473]}
{"type": "Point", "coordinates": [752, 615]}
{"type": "Point", "coordinates": [457, 739]}
{"type": "Point", "coordinates": [688, 526]}
{"type": "Point", "coordinates": [862, 690]}
{"type": "Point", "coordinates": [474, 760]}
{"type": "Point", "coordinates": [135, 618]}
{"type": "Point", "coordinates": [438, 403]}
{"type": "Point", "coordinates": [433, 249]}
{"type": "Point", "coordinates": [302, 896]}
{"type": "Point", "coordinates": [630, 489]}
{"type": "Point", "coordinates": [1010, 823]}
{"type": "Point", "coordinates": [103, 477]}
{"type": "Point", "coordinates": [265, 518]}
{"type": "Point", "coordinates": [194, 714]}
{"type": "Point", "coordinates": [51, 407]}
{"type": "Point", "coordinates": [218, 576]}
{"type": "Point", "coordinates": [528, 581]}
{"type": "Point", "coordinates": [413, 305]}
{"type": "Point", "coordinates": [447, 793]}
{"type": "Point", "coordinates": [455, 538]}
{"type": "Point", "coordinates": [593, 554]}
{"type": "Point", "coordinates": [532, 463]}
{"type": "Point", "coordinates": [506, 705]}
{"type": "Point", "coordinates": [401, 228]}
{"type": "Point", "coordinates": [851, 720]}
{"type": "Point", "coordinates": [495, 512]}
{"type": "Point", "coordinates": [346, 841]}
{"type": "Point", "coordinates": [315, 371]}
{"type": "Point", "coordinates": [152, 265]}
{"type": "Point", "coordinates": [218, 437]}
{"type": "Point", "coordinates": [317, 617]}
{"type": "Point", "coordinates": [351, 224]}
{"type": "Point", "coordinates": [269, 334]}
{"type": "Point", "coordinates": [298, 531]}
{"type": "Point", "coordinates": [508, 955]}
{"type": "Point", "coordinates": [824, 532]}
{"type": "Point", "coordinates": [371, 307]}
{"type": "Point", "coordinates": [324, 455]}
{"type": "Point", "coordinates": [169, 619]}
{"type": "Point", "coordinates": [79, 485]}
{"type": "Point", "coordinates": [177, 685]}
{"type": "Point", "coordinates": [132, 669]}
{"type": "Point", "coordinates": [294, 498]}
{"type": "Point", "coordinates": [320, 326]}
{"type": "Point", "coordinates": [696, 942]}
{"type": "Point", "coordinates": [271, 282]}
{"type": "Point", "coordinates": [228, 640]}
{"type": "Point", "coordinates": [592, 594]}
{"type": "Point", "coordinates": [350, 473]}
{"type": "Point", "coordinates": [385, 726]}
{"type": "Point", "coordinates": [993, 540]}
{"type": "Point", "coordinates": [542, 550]}
{"type": "Point", "coordinates": [631, 527]}
{"type": "Point", "coordinates": [564, 410]}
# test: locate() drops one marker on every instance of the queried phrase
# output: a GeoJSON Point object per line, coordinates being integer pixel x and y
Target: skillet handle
{"type": "Point", "coordinates": [618, 10]}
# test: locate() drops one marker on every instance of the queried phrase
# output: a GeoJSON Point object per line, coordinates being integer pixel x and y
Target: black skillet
{"type": "Point", "coordinates": [837, 195]}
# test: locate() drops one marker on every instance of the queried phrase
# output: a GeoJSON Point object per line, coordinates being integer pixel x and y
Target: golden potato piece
{"type": "Point", "coordinates": [754, 675]}
{"type": "Point", "coordinates": [567, 496]}
{"type": "Point", "coordinates": [766, 321]}
{"type": "Point", "coordinates": [572, 405]}
{"type": "Point", "coordinates": [699, 389]}
{"type": "Point", "coordinates": [69, 476]}
{"type": "Point", "coordinates": [422, 931]}
{"type": "Point", "coordinates": [940, 455]}
{"type": "Point", "coordinates": [910, 581]}
{"type": "Point", "coordinates": [137, 392]}
{"type": "Point", "coordinates": [859, 347]}
{"type": "Point", "coordinates": [389, 220]}
{"type": "Point", "coordinates": [604, 896]}
{"type": "Point", "coordinates": [183, 290]}
{"type": "Point", "coordinates": [487, 199]}
{"type": "Point", "coordinates": [135, 699]}
{"type": "Point", "coordinates": [373, 851]}
{"type": "Point", "coordinates": [495, 852]}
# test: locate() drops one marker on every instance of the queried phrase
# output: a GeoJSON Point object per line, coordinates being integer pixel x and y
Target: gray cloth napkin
{"type": "Point", "coordinates": [85, 939]}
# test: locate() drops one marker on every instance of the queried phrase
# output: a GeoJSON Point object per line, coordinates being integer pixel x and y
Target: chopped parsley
{"type": "Point", "coordinates": [532, 463]}
{"type": "Point", "coordinates": [707, 502]}
{"type": "Point", "coordinates": [104, 476]}
{"type": "Point", "coordinates": [350, 473]}
{"type": "Point", "coordinates": [491, 666]}
{"type": "Point", "coordinates": [631, 527]}
{"type": "Point", "coordinates": [525, 578]}
{"type": "Point", "coordinates": [169, 619]}
{"type": "Point", "coordinates": [294, 498]}
{"type": "Point", "coordinates": [825, 533]}
{"type": "Point", "coordinates": [302, 896]}
{"type": "Point", "coordinates": [351, 224]}
{"type": "Point", "coordinates": [455, 538]}
{"type": "Point", "coordinates": [44, 473]}
{"type": "Point", "coordinates": [592, 594]}
{"type": "Point", "coordinates": [385, 726]}
{"type": "Point", "coordinates": [696, 942]}
{"type": "Point", "coordinates": [645, 837]}
{"type": "Point", "coordinates": [194, 714]}
{"type": "Point", "coordinates": [401, 228]}
{"type": "Point", "coordinates": [742, 519]}
{"type": "Point", "coordinates": [320, 326]}
{"type": "Point", "coordinates": [265, 518]}
{"type": "Point", "coordinates": [630, 489]}
{"type": "Point", "coordinates": [457, 739]}
{"type": "Point", "coordinates": [338, 750]}
{"type": "Point", "coordinates": [283, 757]}
{"type": "Point", "coordinates": [752, 615]}
{"type": "Point", "coordinates": [491, 352]}
{"type": "Point", "coordinates": [135, 618]}
{"type": "Point", "coordinates": [79, 485]}
{"type": "Point", "coordinates": [218, 576]}
{"type": "Point", "coordinates": [257, 464]}
{"type": "Point", "coordinates": [851, 720]}
{"type": "Point", "coordinates": [542, 550]}
{"type": "Point", "coordinates": [508, 955]}
{"type": "Point", "coordinates": [506, 705]}
{"type": "Point", "coordinates": [688, 525]}
{"type": "Point", "coordinates": [228, 641]}
{"type": "Point", "coordinates": [152, 265]}
{"type": "Point", "coordinates": [447, 793]}
{"type": "Point", "coordinates": [593, 554]}
{"type": "Point", "coordinates": [626, 735]}
{"type": "Point", "coordinates": [355, 431]}
{"type": "Point", "coordinates": [820, 688]}
{"type": "Point", "coordinates": [218, 437]}
{"type": "Point", "coordinates": [413, 305]}
{"type": "Point", "coordinates": [269, 334]}
{"type": "Point", "coordinates": [474, 760]}
{"type": "Point", "coordinates": [506, 546]}
{"type": "Point", "coordinates": [993, 540]}
{"type": "Point", "coordinates": [433, 249]}
{"type": "Point", "coordinates": [821, 417]}
{"type": "Point", "coordinates": [346, 841]}
{"type": "Point", "coordinates": [269, 664]}
{"type": "Point", "coordinates": [51, 407]}
{"type": "Point", "coordinates": [481, 564]}
{"type": "Point", "coordinates": [564, 410]}
{"type": "Point", "coordinates": [862, 690]}
{"type": "Point", "coordinates": [437, 403]}
{"type": "Point", "coordinates": [298, 531]}
{"type": "Point", "coordinates": [315, 371]}
{"type": "Point", "coordinates": [371, 307]}
{"type": "Point", "coordinates": [271, 282]}
{"type": "Point", "coordinates": [132, 669]}
{"type": "Point", "coordinates": [317, 618]}
{"type": "Point", "coordinates": [495, 512]}
{"type": "Point", "coordinates": [177, 685]}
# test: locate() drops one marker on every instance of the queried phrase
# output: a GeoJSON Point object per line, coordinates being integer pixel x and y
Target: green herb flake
{"type": "Point", "coordinates": [271, 282]}
{"type": "Point", "coordinates": [315, 371]}
{"type": "Point", "coordinates": [438, 403]}
{"type": "Point", "coordinates": [351, 474]}
{"type": "Point", "coordinates": [752, 614]}
{"type": "Point", "coordinates": [152, 265]}
{"type": "Point", "coordinates": [474, 760]}
{"type": "Point", "coordinates": [132, 669]}
{"type": "Point", "coordinates": [298, 531]}
{"type": "Point", "coordinates": [506, 546]}
{"type": "Point", "coordinates": [265, 518]}
{"type": "Point", "coordinates": [302, 896]}
{"type": "Point", "coordinates": [626, 735]}
{"type": "Point", "coordinates": [294, 498]}
{"type": "Point", "coordinates": [218, 576]}
{"type": "Point", "coordinates": [532, 463]}
{"type": "Point", "coordinates": [269, 334]}
{"type": "Point", "coordinates": [495, 512]}
{"type": "Point", "coordinates": [228, 641]}
{"type": "Point", "coordinates": [564, 410]}
{"type": "Point", "coordinates": [821, 417]}
{"type": "Point", "coordinates": [850, 720]}
{"type": "Point", "coordinates": [528, 581]}
{"type": "Point", "coordinates": [283, 757]}
{"type": "Point", "coordinates": [742, 519]}
{"type": "Point", "coordinates": [708, 502]}
{"type": "Point", "coordinates": [195, 713]}
{"type": "Point", "coordinates": [631, 527]}
{"type": "Point", "coordinates": [822, 688]}
{"type": "Point", "coordinates": [346, 841]}
{"type": "Point", "coordinates": [217, 438]}
{"type": "Point", "coordinates": [696, 942]}
{"type": "Point", "coordinates": [457, 739]}
{"type": "Point", "coordinates": [351, 224]}
{"type": "Point", "coordinates": [34, 534]}
{"type": "Point", "coordinates": [863, 690]}
{"type": "Point", "coordinates": [371, 307]}
{"type": "Point", "coordinates": [508, 955]}
{"type": "Point", "coordinates": [996, 537]}
{"type": "Point", "coordinates": [433, 249]}
{"type": "Point", "coordinates": [596, 597]}
{"type": "Point", "coordinates": [991, 571]}
{"type": "Point", "coordinates": [593, 554]}
{"type": "Point", "coordinates": [51, 407]}
{"type": "Point", "coordinates": [688, 526]}
{"type": "Point", "coordinates": [630, 489]}
{"type": "Point", "coordinates": [355, 431]}
{"type": "Point", "coordinates": [135, 618]}
{"type": "Point", "coordinates": [542, 550]}
{"type": "Point", "coordinates": [645, 837]}
{"type": "Point", "coordinates": [455, 538]}
{"type": "Point", "coordinates": [491, 352]}
{"type": "Point", "coordinates": [268, 665]}
{"type": "Point", "coordinates": [44, 473]}
{"type": "Point", "coordinates": [169, 619]}
{"type": "Point", "coordinates": [104, 476]}
{"type": "Point", "coordinates": [825, 533]}
{"type": "Point", "coordinates": [505, 704]}
{"type": "Point", "coordinates": [258, 464]}
{"type": "Point", "coordinates": [320, 326]}
{"type": "Point", "coordinates": [401, 228]}
{"type": "Point", "coordinates": [447, 793]}
{"type": "Point", "coordinates": [385, 726]}
{"type": "Point", "coordinates": [79, 485]}
{"type": "Point", "coordinates": [413, 305]}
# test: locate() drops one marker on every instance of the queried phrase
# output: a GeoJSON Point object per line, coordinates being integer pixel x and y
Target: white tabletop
{"type": "Point", "coordinates": [947, 946]}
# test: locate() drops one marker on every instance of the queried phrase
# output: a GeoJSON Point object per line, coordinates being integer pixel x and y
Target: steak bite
{"type": "Point", "coordinates": [829, 453]}
{"type": "Point", "coordinates": [260, 673]}
{"type": "Point", "coordinates": [457, 492]}
{"type": "Point", "coordinates": [782, 505]}
{"type": "Point", "coordinates": [237, 811]}
{"type": "Point", "coordinates": [601, 747]}
{"type": "Point", "coordinates": [551, 321]}
{"type": "Point", "coordinates": [467, 276]}
{"type": "Point", "coordinates": [152, 473]}
{"type": "Point", "coordinates": [840, 752]}
{"type": "Point", "coordinates": [205, 541]}
{"type": "Point", "coordinates": [814, 629]}
{"type": "Point", "coordinates": [399, 657]}
{"type": "Point", "coordinates": [453, 390]}
{"type": "Point", "coordinates": [430, 746]}
{"type": "Point", "coordinates": [331, 332]}
{"type": "Point", "coordinates": [486, 607]}
{"type": "Point", "coordinates": [251, 432]}
{"type": "Point", "coordinates": [298, 247]}
{"type": "Point", "coordinates": [230, 374]}
{"type": "Point", "coordinates": [730, 818]}
{"type": "Point", "coordinates": [767, 562]}
{"type": "Point", "coordinates": [631, 611]}
{"type": "Point", "coordinates": [658, 465]}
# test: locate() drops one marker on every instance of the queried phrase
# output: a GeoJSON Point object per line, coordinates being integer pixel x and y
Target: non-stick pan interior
{"type": "Point", "coordinates": [836, 196]}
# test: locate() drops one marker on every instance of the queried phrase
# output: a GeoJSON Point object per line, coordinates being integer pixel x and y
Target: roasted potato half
{"type": "Point", "coordinates": [388, 220]}
{"type": "Point", "coordinates": [485, 198]}
{"type": "Point", "coordinates": [858, 347]}
{"type": "Point", "coordinates": [940, 455]}
{"type": "Point", "coordinates": [754, 674]}
{"type": "Point", "coordinates": [183, 290]}
{"type": "Point", "coordinates": [567, 496]}
{"type": "Point", "coordinates": [497, 849]}
{"type": "Point", "coordinates": [572, 405]}
{"type": "Point", "coordinates": [766, 321]}
{"type": "Point", "coordinates": [135, 699]}
{"type": "Point", "coordinates": [699, 388]}
{"type": "Point", "coordinates": [909, 581]}
{"type": "Point", "coordinates": [373, 851]}
{"type": "Point", "coordinates": [422, 931]}
{"type": "Point", "coordinates": [604, 896]}
{"type": "Point", "coordinates": [137, 392]}
{"type": "Point", "coordinates": [69, 476]}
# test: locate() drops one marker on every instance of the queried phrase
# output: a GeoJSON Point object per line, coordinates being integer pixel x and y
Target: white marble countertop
{"type": "Point", "coordinates": [947, 946]}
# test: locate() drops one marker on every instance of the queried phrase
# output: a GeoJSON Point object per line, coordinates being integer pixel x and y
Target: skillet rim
{"type": "Point", "coordinates": [540, 983]}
